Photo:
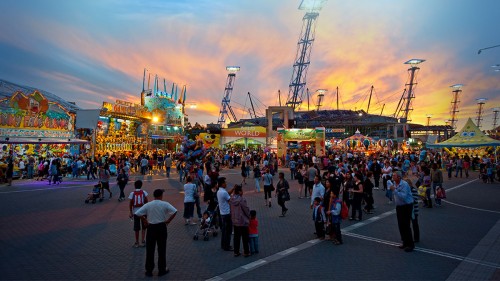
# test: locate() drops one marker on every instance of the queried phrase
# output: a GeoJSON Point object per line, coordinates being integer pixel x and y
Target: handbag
{"type": "Point", "coordinates": [285, 196]}
{"type": "Point", "coordinates": [272, 187]}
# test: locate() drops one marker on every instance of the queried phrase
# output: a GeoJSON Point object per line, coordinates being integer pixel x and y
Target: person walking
{"type": "Point", "coordinates": [404, 209]}
{"type": "Point", "coordinates": [437, 181]}
{"type": "Point", "coordinates": [282, 193]}
{"type": "Point", "coordinates": [9, 173]}
{"type": "Point", "coordinates": [414, 216]}
{"type": "Point", "coordinates": [240, 217]}
{"type": "Point", "coordinates": [257, 175]}
{"type": "Point", "coordinates": [243, 172]}
{"type": "Point", "coordinates": [357, 196]}
{"type": "Point", "coordinates": [104, 176]}
{"type": "Point", "coordinates": [122, 181]}
{"type": "Point", "coordinates": [190, 189]}
{"type": "Point", "coordinates": [138, 198]}
{"type": "Point", "coordinates": [90, 165]}
{"type": "Point", "coordinates": [157, 214]}
{"type": "Point", "coordinates": [318, 190]}
{"type": "Point", "coordinates": [268, 187]}
{"type": "Point", "coordinates": [168, 165]}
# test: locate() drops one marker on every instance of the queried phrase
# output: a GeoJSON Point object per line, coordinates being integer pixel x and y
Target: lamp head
{"type": "Point", "coordinates": [414, 61]}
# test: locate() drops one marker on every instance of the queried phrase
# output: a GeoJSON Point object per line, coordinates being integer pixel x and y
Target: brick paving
{"type": "Point", "coordinates": [48, 233]}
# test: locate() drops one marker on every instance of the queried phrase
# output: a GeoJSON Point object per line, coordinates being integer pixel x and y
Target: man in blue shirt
{"type": "Point", "coordinates": [225, 212]}
{"type": "Point", "coordinates": [404, 208]}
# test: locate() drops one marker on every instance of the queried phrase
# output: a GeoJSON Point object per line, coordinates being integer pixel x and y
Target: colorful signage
{"type": "Point", "coordinates": [34, 116]}
{"type": "Point", "coordinates": [244, 132]}
{"type": "Point", "coordinates": [126, 108]}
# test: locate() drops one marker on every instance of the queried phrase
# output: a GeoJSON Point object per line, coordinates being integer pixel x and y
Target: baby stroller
{"type": "Point", "coordinates": [94, 195]}
{"type": "Point", "coordinates": [207, 226]}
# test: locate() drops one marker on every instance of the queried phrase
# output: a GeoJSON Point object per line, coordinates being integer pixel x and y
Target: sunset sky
{"type": "Point", "coordinates": [91, 51]}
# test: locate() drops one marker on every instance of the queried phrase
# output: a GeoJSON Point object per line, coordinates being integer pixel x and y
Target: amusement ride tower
{"type": "Point", "coordinates": [303, 56]}
{"type": "Point", "coordinates": [225, 106]}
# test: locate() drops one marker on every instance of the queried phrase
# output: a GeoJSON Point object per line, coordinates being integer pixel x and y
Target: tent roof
{"type": "Point", "coordinates": [7, 89]}
{"type": "Point", "coordinates": [469, 136]}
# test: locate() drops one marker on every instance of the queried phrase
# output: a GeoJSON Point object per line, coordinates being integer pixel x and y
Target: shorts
{"type": "Point", "coordinates": [138, 223]}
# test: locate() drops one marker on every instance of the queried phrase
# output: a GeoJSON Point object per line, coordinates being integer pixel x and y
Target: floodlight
{"type": "Point", "coordinates": [496, 65]}
{"type": "Point", "coordinates": [457, 86]}
{"type": "Point", "coordinates": [481, 100]}
{"type": "Point", "coordinates": [321, 91]}
{"type": "Point", "coordinates": [233, 68]}
{"type": "Point", "coordinates": [496, 109]}
{"type": "Point", "coordinates": [311, 5]}
{"type": "Point", "coordinates": [497, 70]}
{"type": "Point", "coordinates": [414, 61]}
{"type": "Point", "coordinates": [428, 115]}
{"type": "Point", "coordinates": [155, 119]}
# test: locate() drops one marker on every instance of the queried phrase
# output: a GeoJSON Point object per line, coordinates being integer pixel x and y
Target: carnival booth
{"type": "Point", "coordinates": [122, 127]}
{"type": "Point", "coordinates": [38, 123]}
{"type": "Point", "coordinates": [301, 139]}
{"type": "Point", "coordinates": [360, 143]}
{"type": "Point", "coordinates": [244, 137]}
{"type": "Point", "coordinates": [469, 140]}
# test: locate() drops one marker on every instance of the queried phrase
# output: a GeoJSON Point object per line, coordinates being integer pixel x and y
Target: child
{"type": "Point", "coordinates": [253, 233]}
{"type": "Point", "coordinates": [440, 194]}
{"type": "Point", "coordinates": [319, 218]}
{"type": "Point", "coordinates": [335, 219]}
{"type": "Point", "coordinates": [205, 220]}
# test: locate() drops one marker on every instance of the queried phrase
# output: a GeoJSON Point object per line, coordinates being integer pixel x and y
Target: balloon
{"type": "Point", "coordinates": [366, 143]}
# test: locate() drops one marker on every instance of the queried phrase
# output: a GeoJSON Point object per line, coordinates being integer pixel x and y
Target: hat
{"type": "Point", "coordinates": [221, 180]}
{"type": "Point", "coordinates": [158, 192]}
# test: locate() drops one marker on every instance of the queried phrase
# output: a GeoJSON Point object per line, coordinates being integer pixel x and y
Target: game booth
{"type": "Point", "coordinates": [301, 140]}
{"type": "Point", "coordinates": [32, 124]}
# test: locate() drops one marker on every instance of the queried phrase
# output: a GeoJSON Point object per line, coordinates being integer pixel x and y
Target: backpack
{"type": "Point", "coordinates": [41, 167]}
{"type": "Point", "coordinates": [344, 211]}
{"type": "Point", "coordinates": [138, 198]}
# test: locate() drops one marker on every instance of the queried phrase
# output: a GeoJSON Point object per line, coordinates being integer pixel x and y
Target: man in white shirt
{"type": "Point", "coordinates": [157, 214]}
{"type": "Point", "coordinates": [318, 190]}
{"type": "Point", "coordinates": [225, 212]}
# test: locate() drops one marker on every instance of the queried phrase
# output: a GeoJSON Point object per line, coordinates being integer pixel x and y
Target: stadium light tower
{"type": "Point", "coordinates": [410, 93]}
{"type": "Point", "coordinates": [321, 95]}
{"type": "Point", "coordinates": [429, 116]}
{"type": "Point", "coordinates": [303, 55]}
{"type": "Point", "coordinates": [225, 106]}
{"type": "Point", "coordinates": [457, 89]}
{"type": "Point", "coordinates": [495, 117]}
{"type": "Point", "coordinates": [480, 103]}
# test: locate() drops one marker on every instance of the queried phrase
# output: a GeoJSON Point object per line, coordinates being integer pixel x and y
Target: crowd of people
{"type": "Point", "coordinates": [339, 186]}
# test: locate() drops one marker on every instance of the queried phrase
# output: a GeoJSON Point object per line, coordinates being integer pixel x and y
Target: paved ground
{"type": "Point", "coordinates": [48, 233]}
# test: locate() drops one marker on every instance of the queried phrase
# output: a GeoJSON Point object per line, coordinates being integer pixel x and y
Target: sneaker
{"type": "Point", "coordinates": [136, 245]}
{"type": "Point", "coordinates": [148, 273]}
{"type": "Point", "coordinates": [143, 244]}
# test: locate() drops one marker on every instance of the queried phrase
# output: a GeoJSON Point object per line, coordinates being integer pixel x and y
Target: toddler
{"type": "Point", "coordinates": [253, 233]}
